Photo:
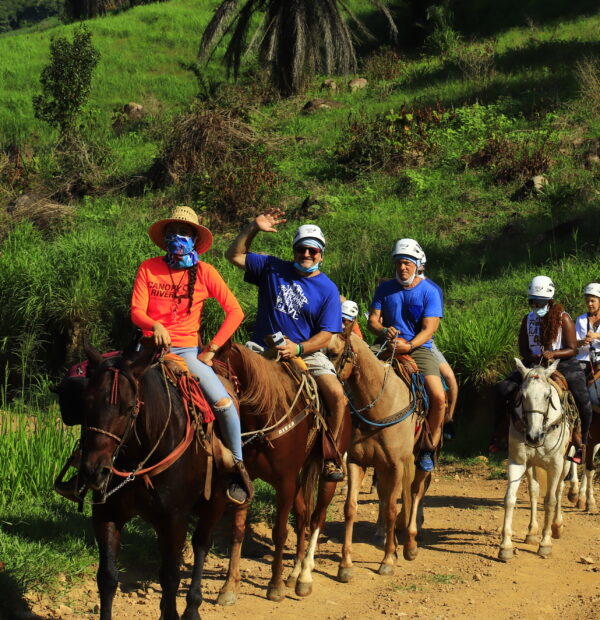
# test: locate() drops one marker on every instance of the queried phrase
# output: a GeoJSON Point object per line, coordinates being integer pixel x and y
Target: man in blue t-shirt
{"type": "Point", "coordinates": [407, 312]}
{"type": "Point", "coordinates": [298, 300]}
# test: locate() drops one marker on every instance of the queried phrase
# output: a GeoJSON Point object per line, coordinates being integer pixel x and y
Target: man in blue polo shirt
{"type": "Point", "coordinates": [408, 310]}
{"type": "Point", "coordinates": [298, 300]}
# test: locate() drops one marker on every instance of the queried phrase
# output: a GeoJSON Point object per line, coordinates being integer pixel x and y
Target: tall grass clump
{"type": "Point", "coordinates": [443, 39]}
{"type": "Point", "coordinates": [33, 449]}
{"type": "Point", "coordinates": [587, 71]}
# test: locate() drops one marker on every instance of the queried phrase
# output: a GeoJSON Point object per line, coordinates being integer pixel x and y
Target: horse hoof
{"type": "Point", "coordinates": [303, 589]}
{"type": "Point", "coordinates": [345, 574]}
{"type": "Point", "coordinates": [506, 554]}
{"type": "Point", "coordinates": [227, 598]}
{"type": "Point", "coordinates": [592, 509]}
{"type": "Point", "coordinates": [190, 614]}
{"type": "Point", "coordinates": [290, 582]}
{"type": "Point", "coordinates": [275, 594]}
{"type": "Point", "coordinates": [386, 570]}
{"type": "Point", "coordinates": [531, 539]}
{"type": "Point", "coordinates": [572, 497]}
{"type": "Point", "coordinates": [581, 504]}
{"type": "Point", "coordinates": [410, 553]}
{"type": "Point", "coordinates": [557, 531]}
{"type": "Point", "coordinates": [545, 551]}
{"type": "Point", "coordinates": [379, 540]}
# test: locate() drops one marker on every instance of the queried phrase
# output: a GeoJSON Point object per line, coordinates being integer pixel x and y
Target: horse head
{"type": "Point", "coordinates": [538, 404]}
{"type": "Point", "coordinates": [112, 403]}
{"type": "Point", "coordinates": [341, 353]}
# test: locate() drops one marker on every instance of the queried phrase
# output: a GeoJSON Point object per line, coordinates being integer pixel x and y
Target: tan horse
{"type": "Point", "coordinates": [379, 395]}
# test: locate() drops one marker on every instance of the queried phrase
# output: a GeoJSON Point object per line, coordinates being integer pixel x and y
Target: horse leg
{"type": "Point", "coordinates": [284, 498]}
{"type": "Point", "coordinates": [379, 537]}
{"type": "Point", "coordinates": [590, 500]}
{"type": "Point", "coordinates": [581, 499]}
{"type": "Point", "coordinates": [417, 492]}
{"type": "Point", "coordinates": [573, 478]}
{"type": "Point", "coordinates": [557, 524]}
{"type": "Point", "coordinates": [356, 475]}
{"type": "Point", "coordinates": [515, 474]}
{"type": "Point", "coordinates": [230, 589]}
{"type": "Point", "coordinates": [553, 473]}
{"type": "Point", "coordinates": [301, 517]}
{"type": "Point", "coordinates": [390, 485]}
{"type": "Point", "coordinates": [108, 537]}
{"type": "Point", "coordinates": [201, 544]}
{"type": "Point", "coordinates": [403, 518]}
{"type": "Point", "coordinates": [317, 521]}
{"type": "Point", "coordinates": [171, 538]}
{"type": "Point", "coordinates": [534, 493]}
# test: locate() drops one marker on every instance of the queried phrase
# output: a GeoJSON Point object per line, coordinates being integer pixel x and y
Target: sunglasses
{"type": "Point", "coordinates": [303, 250]}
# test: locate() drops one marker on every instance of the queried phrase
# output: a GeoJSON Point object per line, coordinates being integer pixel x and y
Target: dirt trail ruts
{"type": "Point", "coordinates": [456, 574]}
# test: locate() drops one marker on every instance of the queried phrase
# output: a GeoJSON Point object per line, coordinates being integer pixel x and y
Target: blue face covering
{"type": "Point", "coordinates": [180, 251]}
{"type": "Point", "coordinates": [542, 312]}
{"type": "Point", "coordinates": [307, 269]}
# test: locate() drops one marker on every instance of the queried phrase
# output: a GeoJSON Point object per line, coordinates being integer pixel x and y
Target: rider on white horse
{"type": "Point", "coordinates": [587, 328]}
{"type": "Point", "coordinates": [548, 333]}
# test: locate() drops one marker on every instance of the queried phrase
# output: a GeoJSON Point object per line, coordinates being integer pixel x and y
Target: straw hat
{"type": "Point", "coordinates": [204, 238]}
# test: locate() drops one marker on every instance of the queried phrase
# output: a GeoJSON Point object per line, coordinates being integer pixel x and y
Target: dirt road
{"type": "Point", "coordinates": [456, 574]}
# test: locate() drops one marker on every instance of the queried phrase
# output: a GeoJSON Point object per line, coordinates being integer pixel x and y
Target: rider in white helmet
{"type": "Point", "coordinates": [350, 315]}
{"type": "Point", "coordinates": [587, 328]}
{"type": "Point", "coordinates": [445, 368]}
{"type": "Point", "coordinates": [548, 333]}
{"type": "Point", "coordinates": [407, 312]}
{"type": "Point", "coordinates": [297, 299]}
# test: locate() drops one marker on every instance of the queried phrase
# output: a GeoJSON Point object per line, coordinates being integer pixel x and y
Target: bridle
{"type": "Point", "coordinates": [519, 421]}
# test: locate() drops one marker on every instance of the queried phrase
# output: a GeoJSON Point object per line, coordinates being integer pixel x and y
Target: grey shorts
{"type": "Point", "coordinates": [437, 354]}
{"type": "Point", "coordinates": [319, 364]}
{"type": "Point", "coordinates": [426, 362]}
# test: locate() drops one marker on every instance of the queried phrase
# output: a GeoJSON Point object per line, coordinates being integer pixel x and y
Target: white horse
{"type": "Point", "coordinates": [539, 436]}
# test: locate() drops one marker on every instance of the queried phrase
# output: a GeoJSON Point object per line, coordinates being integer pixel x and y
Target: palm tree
{"type": "Point", "coordinates": [295, 37]}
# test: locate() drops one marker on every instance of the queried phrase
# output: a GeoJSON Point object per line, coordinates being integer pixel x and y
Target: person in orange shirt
{"type": "Point", "coordinates": [168, 296]}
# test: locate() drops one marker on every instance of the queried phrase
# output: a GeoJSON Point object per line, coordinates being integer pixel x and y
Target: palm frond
{"type": "Point", "coordinates": [217, 27]}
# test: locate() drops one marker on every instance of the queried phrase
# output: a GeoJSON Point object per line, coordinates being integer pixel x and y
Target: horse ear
{"type": "Point", "coordinates": [94, 357]}
{"type": "Point", "coordinates": [521, 367]}
{"type": "Point", "coordinates": [552, 368]}
{"type": "Point", "coordinates": [143, 362]}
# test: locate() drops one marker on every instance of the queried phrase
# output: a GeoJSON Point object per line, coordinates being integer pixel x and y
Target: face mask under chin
{"type": "Point", "coordinates": [542, 312]}
{"type": "Point", "coordinates": [406, 282]}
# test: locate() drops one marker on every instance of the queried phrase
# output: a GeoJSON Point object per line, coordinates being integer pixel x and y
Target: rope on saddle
{"type": "Point", "coordinates": [189, 388]}
{"type": "Point", "coordinates": [570, 410]}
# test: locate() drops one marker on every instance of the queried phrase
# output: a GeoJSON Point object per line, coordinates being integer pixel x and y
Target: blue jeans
{"type": "Point", "coordinates": [212, 388]}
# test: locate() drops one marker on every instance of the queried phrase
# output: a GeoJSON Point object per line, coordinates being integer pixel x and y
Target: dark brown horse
{"type": "Point", "coordinates": [269, 400]}
{"type": "Point", "coordinates": [135, 420]}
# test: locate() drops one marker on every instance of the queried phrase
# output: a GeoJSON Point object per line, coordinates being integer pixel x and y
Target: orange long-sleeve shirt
{"type": "Point", "coordinates": [160, 294]}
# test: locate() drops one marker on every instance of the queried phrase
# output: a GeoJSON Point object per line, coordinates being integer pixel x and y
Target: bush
{"type": "Point", "coordinates": [476, 61]}
{"type": "Point", "coordinates": [215, 159]}
{"type": "Point", "coordinates": [66, 81]}
{"type": "Point", "coordinates": [443, 39]}
{"type": "Point", "coordinates": [508, 159]}
{"type": "Point", "coordinates": [390, 141]}
{"type": "Point", "coordinates": [384, 64]}
{"type": "Point", "coordinates": [588, 76]}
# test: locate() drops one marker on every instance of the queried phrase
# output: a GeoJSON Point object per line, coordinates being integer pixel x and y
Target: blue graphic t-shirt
{"type": "Point", "coordinates": [405, 308]}
{"type": "Point", "coordinates": [299, 307]}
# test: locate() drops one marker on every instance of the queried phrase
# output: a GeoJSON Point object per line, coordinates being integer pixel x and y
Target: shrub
{"type": "Point", "coordinates": [384, 64]}
{"type": "Point", "coordinates": [390, 141]}
{"type": "Point", "coordinates": [588, 76]}
{"type": "Point", "coordinates": [443, 39]}
{"type": "Point", "coordinates": [476, 61]}
{"type": "Point", "coordinates": [66, 81]}
{"type": "Point", "coordinates": [215, 159]}
{"type": "Point", "coordinates": [508, 159]}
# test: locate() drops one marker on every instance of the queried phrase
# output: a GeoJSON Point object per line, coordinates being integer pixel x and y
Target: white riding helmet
{"type": "Point", "coordinates": [349, 310]}
{"type": "Point", "coordinates": [541, 288]}
{"type": "Point", "coordinates": [310, 232]}
{"type": "Point", "coordinates": [409, 247]}
{"type": "Point", "coordinates": [592, 289]}
{"type": "Point", "coordinates": [424, 260]}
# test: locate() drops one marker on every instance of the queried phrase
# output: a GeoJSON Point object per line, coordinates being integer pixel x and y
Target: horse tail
{"type": "Point", "coordinates": [309, 483]}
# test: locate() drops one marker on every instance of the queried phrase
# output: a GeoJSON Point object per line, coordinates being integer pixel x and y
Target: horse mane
{"type": "Point", "coordinates": [268, 387]}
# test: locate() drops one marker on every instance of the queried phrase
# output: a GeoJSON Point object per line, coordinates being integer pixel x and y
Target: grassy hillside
{"type": "Point", "coordinates": [437, 147]}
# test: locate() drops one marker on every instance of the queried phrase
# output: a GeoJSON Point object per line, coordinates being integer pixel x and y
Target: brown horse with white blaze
{"type": "Point", "coordinates": [387, 445]}
{"type": "Point", "coordinates": [281, 438]}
